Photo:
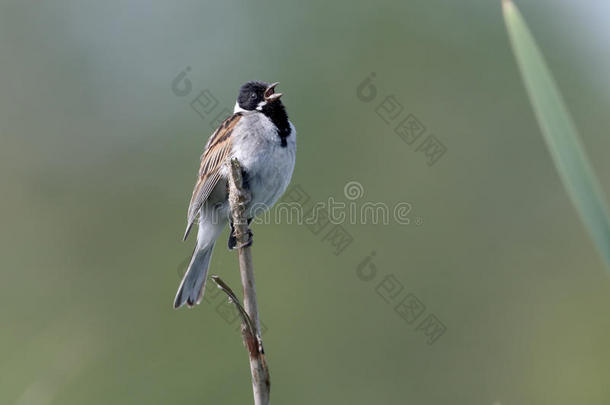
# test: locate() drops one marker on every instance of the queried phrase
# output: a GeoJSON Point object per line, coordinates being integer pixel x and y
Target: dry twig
{"type": "Point", "coordinates": [250, 326]}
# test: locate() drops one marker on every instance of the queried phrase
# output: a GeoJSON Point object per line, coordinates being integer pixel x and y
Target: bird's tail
{"type": "Point", "coordinates": [193, 283]}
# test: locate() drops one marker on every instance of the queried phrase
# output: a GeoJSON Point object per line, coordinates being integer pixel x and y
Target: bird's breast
{"type": "Point", "coordinates": [267, 163]}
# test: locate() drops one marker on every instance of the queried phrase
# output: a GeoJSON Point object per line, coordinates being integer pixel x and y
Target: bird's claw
{"type": "Point", "coordinates": [233, 240]}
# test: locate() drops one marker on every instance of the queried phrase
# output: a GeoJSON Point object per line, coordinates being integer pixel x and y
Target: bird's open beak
{"type": "Point", "coordinates": [270, 94]}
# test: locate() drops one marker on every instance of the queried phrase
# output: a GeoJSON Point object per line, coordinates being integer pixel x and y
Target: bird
{"type": "Point", "coordinates": [262, 138]}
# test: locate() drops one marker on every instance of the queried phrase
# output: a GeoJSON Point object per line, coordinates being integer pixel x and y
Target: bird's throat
{"type": "Point", "coordinates": [277, 114]}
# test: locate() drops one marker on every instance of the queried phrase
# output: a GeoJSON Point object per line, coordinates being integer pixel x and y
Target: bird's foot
{"type": "Point", "coordinates": [233, 240]}
{"type": "Point", "coordinates": [248, 242]}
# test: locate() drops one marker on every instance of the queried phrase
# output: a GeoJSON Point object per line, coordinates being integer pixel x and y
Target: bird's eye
{"type": "Point", "coordinates": [253, 96]}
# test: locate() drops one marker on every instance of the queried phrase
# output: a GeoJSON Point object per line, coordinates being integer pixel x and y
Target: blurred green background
{"type": "Point", "coordinates": [98, 158]}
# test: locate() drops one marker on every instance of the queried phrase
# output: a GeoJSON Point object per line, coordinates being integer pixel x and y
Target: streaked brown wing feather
{"type": "Point", "coordinates": [216, 152]}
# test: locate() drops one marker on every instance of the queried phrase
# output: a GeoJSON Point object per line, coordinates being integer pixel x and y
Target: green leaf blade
{"type": "Point", "coordinates": [559, 132]}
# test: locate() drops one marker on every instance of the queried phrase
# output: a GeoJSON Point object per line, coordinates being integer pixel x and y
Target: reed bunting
{"type": "Point", "coordinates": [260, 136]}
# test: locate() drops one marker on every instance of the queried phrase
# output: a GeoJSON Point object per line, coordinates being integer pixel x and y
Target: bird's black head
{"type": "Point", "coordinates": [258, 95]}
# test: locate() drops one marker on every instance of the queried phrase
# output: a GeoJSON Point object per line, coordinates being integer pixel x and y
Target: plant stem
{"type": "Point", "coordinates": [238, 200]}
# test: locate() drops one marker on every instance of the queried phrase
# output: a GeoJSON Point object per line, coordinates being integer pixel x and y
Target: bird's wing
{"type": "Point", "coordinates": [215, 154]}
